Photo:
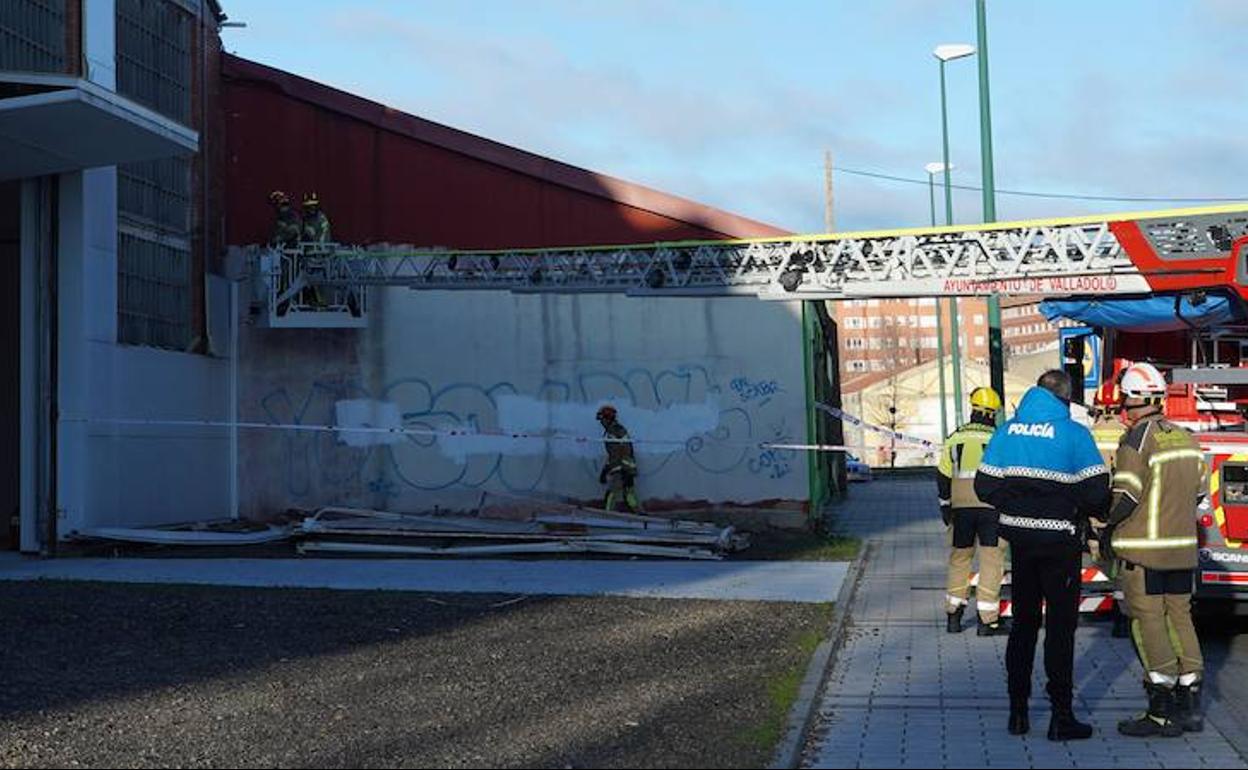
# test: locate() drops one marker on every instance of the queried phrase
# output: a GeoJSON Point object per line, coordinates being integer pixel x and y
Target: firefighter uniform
{"type": "Point", "coordinates": [1159, 478]}
{"type": "Point", "coordinates": [970, 520]}
{"type": "Point", "coordinates": [1107, 431]}
{"type": "Point", "coordinates": [620, 472]}
{"type": "Point", "coordinates": [315, 223]}
{"type": "Point", "coordinates": [286, 226]}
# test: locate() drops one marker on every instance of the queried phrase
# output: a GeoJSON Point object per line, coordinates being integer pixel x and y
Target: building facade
{"type": "Point", "coordinates": [881, 337]}
{"type": "Point", "coordinates": [132, 355]}
{"type": "Point", "coordinates": [108, 220]}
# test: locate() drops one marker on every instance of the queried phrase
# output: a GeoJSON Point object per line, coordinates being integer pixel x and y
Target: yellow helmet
{"type": "Point", "coordinates": [985, 400]}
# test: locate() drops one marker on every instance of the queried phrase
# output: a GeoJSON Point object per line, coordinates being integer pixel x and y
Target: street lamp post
{"type": "Point", "coordinates": [996, 352]}
{"type": "Point", "coordinates": [947, 53]}
{"type": "Point", "coordinates": [932, 169]}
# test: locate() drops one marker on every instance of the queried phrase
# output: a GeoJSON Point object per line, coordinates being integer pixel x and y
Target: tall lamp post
{"type": "Point", "coordinates": [996, 352]}
{"type": "Point", "coordinates": [932, 170]}
{"type": "Point", "coordinates": [946, 53]}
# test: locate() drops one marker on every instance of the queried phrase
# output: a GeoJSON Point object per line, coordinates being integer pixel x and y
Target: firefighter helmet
{"type": "Point", "coordinates": [607, 413]}
{"type": "Point", "coordinates": [1143, 381]}
{"type": "Point", "coordinates": [985, 400]}
{"type": "Point", "coordinates": [311, 200]}
{"type": "Point", "coordinates": [279, 198]}
{"type": "Point", "coordinates": [1107, 394]}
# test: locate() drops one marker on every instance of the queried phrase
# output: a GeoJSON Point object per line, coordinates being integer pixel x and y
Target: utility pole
{"type": "Point", "coordinates": [829, 218]}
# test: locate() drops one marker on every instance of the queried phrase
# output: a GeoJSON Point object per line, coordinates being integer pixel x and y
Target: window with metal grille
{"type": "Point", "coordinates": [154, 55]}
{"type": "Point", "coordinates": [32, 35]}
{"type": "Point", "coordinates": [153, 292]}
{"type": "Point", "coordinates": [154, 253]}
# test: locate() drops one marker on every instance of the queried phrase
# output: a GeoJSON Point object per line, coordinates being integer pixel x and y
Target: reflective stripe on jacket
{"type": "Point", "coordinates": [959, 459]}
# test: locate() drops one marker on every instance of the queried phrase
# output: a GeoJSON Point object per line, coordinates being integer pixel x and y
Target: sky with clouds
{"type": "Point", "coordinates": [733, 103]}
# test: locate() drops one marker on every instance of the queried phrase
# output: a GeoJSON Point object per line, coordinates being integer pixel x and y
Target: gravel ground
{"type": "Point", "coordinates": [154, 676]}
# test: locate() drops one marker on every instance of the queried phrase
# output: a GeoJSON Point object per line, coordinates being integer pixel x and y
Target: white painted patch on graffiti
{"type": "Point", "coordinates": [367, 413]}
{"type": "Point", "coordinates": [654, 431]}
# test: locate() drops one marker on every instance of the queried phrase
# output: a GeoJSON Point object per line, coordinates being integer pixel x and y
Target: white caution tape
{"type": "Point", "coordinates": [844, 416]}
{"type": "Point", "coordinates": [429, 432]}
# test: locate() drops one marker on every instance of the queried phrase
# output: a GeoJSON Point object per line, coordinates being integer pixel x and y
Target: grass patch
{"type": "Point", "coordinates": [783, 687]}
{"type": "Point", "coordinates": [784, 545]}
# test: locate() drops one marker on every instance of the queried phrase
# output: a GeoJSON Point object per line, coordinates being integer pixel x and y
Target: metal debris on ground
{"type": "Point", "coordinates": [572, 530]}
{"type": "Point", "coordinates": [226, 533]}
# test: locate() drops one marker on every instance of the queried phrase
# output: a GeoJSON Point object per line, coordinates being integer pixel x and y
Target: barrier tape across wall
{"type": "Point", "coordinates": [451, 433]}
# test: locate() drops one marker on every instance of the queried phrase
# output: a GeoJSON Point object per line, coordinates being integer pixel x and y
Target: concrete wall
{"type": "Point", "coordinates": [710, 378]}
{"type": "Point", "coordinates": [127, 475]}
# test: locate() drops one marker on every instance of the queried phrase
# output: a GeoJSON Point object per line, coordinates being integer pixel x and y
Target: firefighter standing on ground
{"type": "Point", "coordinates": [969, 519]}
{"type": "Point", "coordinates": [620, 472]}
{"type": "Point", "coordinates": [1159, 478]}
{"type": "Point", "coordinates": [1042, 473]}
{"type": "Point", "coordinates": [1108, 430]}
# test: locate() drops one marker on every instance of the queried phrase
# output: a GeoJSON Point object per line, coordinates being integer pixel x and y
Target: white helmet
{"type": "Point", "coordinates": [1143, 381]}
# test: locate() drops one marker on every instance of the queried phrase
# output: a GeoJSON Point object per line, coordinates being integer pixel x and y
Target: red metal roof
{"type": "Point", "coordinates": [385, 175]}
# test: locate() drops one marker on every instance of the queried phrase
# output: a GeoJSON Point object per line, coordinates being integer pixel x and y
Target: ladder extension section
{"type": "Point", "coordinates": [1088, 256]}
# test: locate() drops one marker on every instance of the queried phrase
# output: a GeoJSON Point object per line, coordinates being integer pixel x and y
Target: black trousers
{"type": "Point", "coordinates": [1048, 573]}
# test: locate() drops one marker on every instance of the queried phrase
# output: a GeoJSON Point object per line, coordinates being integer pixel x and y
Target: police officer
{"type": "Point", "coordinates": [620, 472]}
{"type": "Point", "coordinates": [969, 519]}
{"type": "Point", "coordinates": [1042, 473]}
{"type": "Point", "coordinates": [1108, 430]}
{"type": "Point", "coordinates": [1159, 478]}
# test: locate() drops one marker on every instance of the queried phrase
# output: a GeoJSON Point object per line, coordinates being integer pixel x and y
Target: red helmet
{"type": "Point", "coordinates": [606, 413]}
{"type": "Point", "coordinates": [1107, 394]}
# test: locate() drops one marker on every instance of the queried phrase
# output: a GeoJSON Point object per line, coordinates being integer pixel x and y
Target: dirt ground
{"type": "Point", "coordinates": [107, 675]}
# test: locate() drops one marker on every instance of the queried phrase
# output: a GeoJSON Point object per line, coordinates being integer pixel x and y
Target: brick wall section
{"type": "Point", "coordinates": [207, 220]}
{"type": "Point", "coordinates": [73, 37]}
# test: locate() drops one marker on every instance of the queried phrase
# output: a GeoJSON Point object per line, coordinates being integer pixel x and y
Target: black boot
{"type": "Point", "coordinates": [953, 623]}
{"type": "Point", "coordinates": [1064, 727]}
{"type": "Point", "coordinates": [1158, 720]}
{"type": "Point", "coordinates": [1019, 723]}
{"type": "Point", "coordinates": [1187, 708]}
{"type": "Point", "coordinates": [996, 628]}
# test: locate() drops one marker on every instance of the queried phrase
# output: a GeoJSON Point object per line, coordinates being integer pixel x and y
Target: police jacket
{"type": "Point", "coordinates": [1159, 477]}
{"type": "Point", "coordinates": [959, 459]}
{"type": "Point", "coordinates": [1042, 473]}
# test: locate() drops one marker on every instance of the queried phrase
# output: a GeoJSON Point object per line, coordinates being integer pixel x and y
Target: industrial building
{"type": "Point", "coordinates": [146, 386]}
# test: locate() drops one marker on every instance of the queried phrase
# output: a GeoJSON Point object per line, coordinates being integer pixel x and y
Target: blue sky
{"type": "Point", "coordinates": [733, 103]}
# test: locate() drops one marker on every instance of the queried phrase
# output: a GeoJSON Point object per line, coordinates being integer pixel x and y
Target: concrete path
{"type": "Point", "coordinates": [731, 580]}
{"type": "Point", "coordinates": [903, 693]}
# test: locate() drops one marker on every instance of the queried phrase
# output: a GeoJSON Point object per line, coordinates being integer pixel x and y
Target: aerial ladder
{"type": "Point", "coordinates": [1173, 251]}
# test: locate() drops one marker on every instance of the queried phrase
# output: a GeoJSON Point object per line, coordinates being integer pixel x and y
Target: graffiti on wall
{"type": "Point", "coordinates": [695, 424]}
{"type": "Point", "coordinates": [761, 391]}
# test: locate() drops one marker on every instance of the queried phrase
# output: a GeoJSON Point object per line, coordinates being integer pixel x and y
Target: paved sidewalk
{"type": "Point", "coordinates": [903, 693]}
{"type": "Point", "coordinates": [765, 581]}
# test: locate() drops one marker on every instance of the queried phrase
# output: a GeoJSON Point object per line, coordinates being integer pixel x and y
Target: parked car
{"type": "Point", "coordinates": [856, 470]}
